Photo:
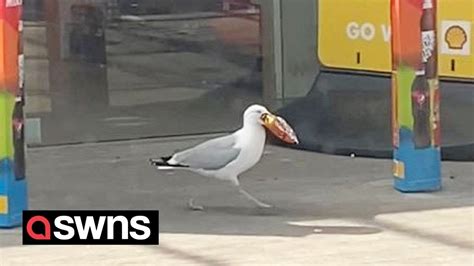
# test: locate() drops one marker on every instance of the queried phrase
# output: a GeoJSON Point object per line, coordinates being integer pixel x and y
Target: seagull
{"type": "Point", "coordinates": [227, 157]}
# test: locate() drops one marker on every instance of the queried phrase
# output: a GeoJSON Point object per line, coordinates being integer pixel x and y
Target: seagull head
{"type": "Point", "coordinates": [257, 115]}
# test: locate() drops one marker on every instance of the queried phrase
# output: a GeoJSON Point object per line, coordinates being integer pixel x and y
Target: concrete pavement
{"type": "Point", "coordinates": [329, 210]}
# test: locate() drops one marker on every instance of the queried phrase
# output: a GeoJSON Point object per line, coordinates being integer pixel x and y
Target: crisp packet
{"type": "Point", "coordinates": [280, 128]}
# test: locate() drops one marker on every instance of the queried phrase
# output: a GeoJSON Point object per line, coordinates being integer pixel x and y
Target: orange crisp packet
{"type": "Point", "coordinates": [281, 129]}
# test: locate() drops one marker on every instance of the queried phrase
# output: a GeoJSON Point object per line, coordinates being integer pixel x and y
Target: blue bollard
{"type": "Point", "coordinates": [13, 195]}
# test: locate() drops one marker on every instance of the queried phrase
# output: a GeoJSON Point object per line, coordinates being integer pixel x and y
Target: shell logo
{"type": "Point", "coordinates": [455, 37]}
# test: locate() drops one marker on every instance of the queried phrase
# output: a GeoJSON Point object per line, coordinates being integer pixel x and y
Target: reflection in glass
{"type": "Point", "coordinates": [124, 69]}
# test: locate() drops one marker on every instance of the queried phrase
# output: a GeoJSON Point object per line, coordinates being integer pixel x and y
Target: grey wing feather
{"type": "Point", "coordinates": [210, 155]}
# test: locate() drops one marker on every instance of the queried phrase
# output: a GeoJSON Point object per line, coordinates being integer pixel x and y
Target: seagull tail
{"type": "Point", "coordinates": [162, 164]}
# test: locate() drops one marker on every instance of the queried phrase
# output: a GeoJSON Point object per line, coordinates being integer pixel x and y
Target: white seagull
{"type": "Point", "coordinates": [226, 157]}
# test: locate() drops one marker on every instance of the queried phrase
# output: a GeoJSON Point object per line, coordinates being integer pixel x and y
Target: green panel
{"type": "Point", "coordinates": [7, 102]}
{"type": "Point", "coordinates": [405, 77]}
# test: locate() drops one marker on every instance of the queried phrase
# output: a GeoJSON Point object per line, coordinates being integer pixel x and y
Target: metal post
{"type": "Point", "coordinates": [13, 196]}
{"type": "Point", "coordinates": [415, 96]}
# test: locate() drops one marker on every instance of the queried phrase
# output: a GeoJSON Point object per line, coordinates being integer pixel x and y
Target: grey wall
{"type": "Point", "coordinates": [299, 42]}
{"type": "Point", "coordinates": [289, 42]}
{"type": "Point", "coordinates": [271, 50]}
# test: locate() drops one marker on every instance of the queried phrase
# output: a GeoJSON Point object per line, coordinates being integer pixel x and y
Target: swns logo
{"type": "Point", "coordinates": [93, 227]}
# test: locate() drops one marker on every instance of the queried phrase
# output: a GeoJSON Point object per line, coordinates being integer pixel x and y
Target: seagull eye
{"type": "Point", "coordinates": [264, 117]}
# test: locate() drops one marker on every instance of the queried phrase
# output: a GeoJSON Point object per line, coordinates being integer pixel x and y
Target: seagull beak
{"type": "Point", "coordinates": [267, 119]}
{"type": "Point", "coordinates": [279, 127]}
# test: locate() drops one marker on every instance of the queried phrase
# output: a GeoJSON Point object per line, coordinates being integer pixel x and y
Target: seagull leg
{"type": "Point", "coordinates": [235, 182]}
{"type": "Point", "coordinates": [194, 207]}
{"type": "Point", "coordinates": [252, 198]}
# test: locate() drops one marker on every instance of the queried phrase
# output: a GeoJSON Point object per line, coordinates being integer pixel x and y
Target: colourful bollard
{"type": "Point", "coordinates": [13, 194]}
{"type": "Point", "coordinates": [415, 96]}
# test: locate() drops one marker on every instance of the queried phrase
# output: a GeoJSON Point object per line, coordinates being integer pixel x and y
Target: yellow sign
{"type": "Point", "coordinates": [455, 35]}
{"type": "Point", "coordinates": [3, 205]}
{"type": "Point", "coordinates": [398, 169]}
{"type": "Point", "coordinates": [355, 34]}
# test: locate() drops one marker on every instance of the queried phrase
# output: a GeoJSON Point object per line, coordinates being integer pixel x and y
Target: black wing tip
{"type": "Point", "coordinates": [158, 162]}
{"type": "Point", "coordinates": [163, 161]}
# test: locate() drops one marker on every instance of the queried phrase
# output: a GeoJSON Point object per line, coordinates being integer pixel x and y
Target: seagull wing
{"type": "Point", "coordinates": [211, 155]}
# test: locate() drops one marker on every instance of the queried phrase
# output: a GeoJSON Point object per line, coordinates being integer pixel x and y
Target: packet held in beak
{"type": "Point", "coordinates": [281, 129]}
